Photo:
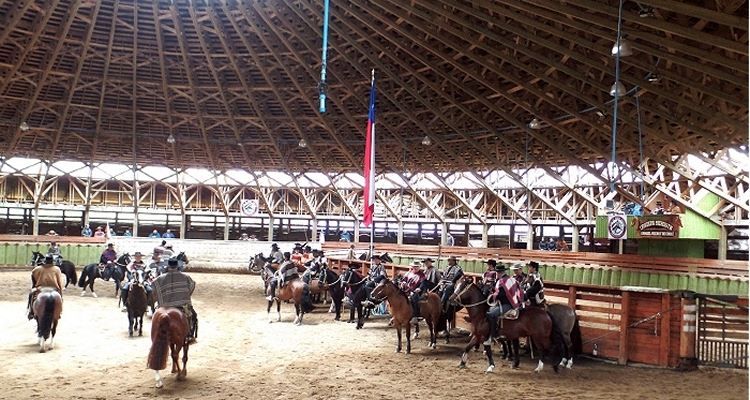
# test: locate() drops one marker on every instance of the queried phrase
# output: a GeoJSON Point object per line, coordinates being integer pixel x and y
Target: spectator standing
{"type": "Point", "coordinates": [127, 233]}
{"type": "Point", "coordinates": [168, 234]}
{"type": "Point", "coordinates": [86, 231]}
{"type": "Point", "coordinates": [155, 234]}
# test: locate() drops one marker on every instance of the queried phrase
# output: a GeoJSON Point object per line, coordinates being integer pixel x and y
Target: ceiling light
{"type": "Point", "coordinates": [647, 12]}
{"type": "Point", "coordinates": [601, 113]}
{"type": "Point", "coordinates": [623, 48]}
{"type": "Point", "coordinates": [427, 141]}
{"type": "Point", "coordinates": [171, 139]}
{"type": "Point", "coordinates": [653, 77]}
{"type": "Point", "coordinates": [535, 124]}
{"type": "Point", "coordinates": [24, 126]}
{"type": "Point", "coordinates": [618, 89]}
{"type": "Point", "coordinates": [302, 143]}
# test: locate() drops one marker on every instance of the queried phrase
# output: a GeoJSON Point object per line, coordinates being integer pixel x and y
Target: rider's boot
{"type": "Point", "coordinates": [415, 309]}
{"type": "Point", "coordinates": [492, 322]}
{"type": "Point", "coordinates": [192, 336]}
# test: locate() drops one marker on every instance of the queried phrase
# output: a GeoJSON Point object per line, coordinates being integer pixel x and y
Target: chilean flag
{"type": "Point", "coordinates": [370, 159]}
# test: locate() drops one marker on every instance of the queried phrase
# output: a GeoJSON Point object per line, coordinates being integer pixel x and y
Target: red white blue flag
{"type": "Point", "coordinates": [369, 208]}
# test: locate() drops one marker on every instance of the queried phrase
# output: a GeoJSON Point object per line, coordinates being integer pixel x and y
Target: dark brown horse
{"type": "Point", "coordinates": [297, 291]}
{"type": "Point", "coordinates": [47, 309]}
{"type": "Point", "coordinates": [169, 331]}
{"type": "Point", "coordinates": [402, 312]}
{"type": "Point", "coordinates": [566, 319]}
{"type": "Point", "coordinates": [136, 302]}
{"type": "Point", "coordinates": [532, 322]}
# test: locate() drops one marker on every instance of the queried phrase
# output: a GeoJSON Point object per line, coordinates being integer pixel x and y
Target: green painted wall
{"type": "Point", "coordinates": [694, 226]}
{"type": "Point", "coordinates": [692, 248]}
{"type": "Point", "coordinates": [20, 253]}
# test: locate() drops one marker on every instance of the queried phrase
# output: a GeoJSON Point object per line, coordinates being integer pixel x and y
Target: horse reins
{"type": "Point", "coordinates": [462, 292]}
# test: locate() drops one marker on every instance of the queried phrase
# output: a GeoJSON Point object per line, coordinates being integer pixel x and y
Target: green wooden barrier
{"type": "Point", "coordinates": [586, 275]}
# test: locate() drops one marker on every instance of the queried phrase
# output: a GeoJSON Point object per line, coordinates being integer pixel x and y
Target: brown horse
{"type": "Point", "coordinates": [532, 322]}
{"type": "Point", "coordinates": [402, 312]}
{"type": "Point", "coordinates": [297, 291]}
{"type": "Point", "coordinates": [47, 309]}
{"type": "Point", "coordinates": [169, 331]}
{"type": "Point", "coordinates": [136, 301]}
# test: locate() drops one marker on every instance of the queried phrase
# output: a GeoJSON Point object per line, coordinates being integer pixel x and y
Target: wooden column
{"type": "Point", "coordinates": [576, 234]}
{"type": "Point", "coordinates": [400, 234]}
{"type": "Point", "coordinates": [356, 231]}
{"type": "Point", "coordinates": [485, 235]}
{"type": "Point", "coordinates": [270, 228]}
{"type": "Point", "coordinates": [722, 241]}
{"type": "Point", "coordinates": [688, 360]}
{"type": "Point", "coordinates": [530, 238]}
{"type": "Point", "coordinates": [622, 356]}
{"type": "Point", "coordinates": [572, 294]}
{"type": "Point", "coordinates": [664, 330]}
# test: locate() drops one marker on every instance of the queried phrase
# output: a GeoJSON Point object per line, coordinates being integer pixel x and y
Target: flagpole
{"type": "Point", "coordinates": [369, 167]}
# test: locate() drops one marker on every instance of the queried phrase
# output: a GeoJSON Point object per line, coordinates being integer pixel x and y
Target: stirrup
{"type": "Point", "coordinates": [511, 314]}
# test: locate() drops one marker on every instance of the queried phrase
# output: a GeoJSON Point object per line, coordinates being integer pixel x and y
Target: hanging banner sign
{"type": "Point", "coordinates": [249, 207]}
{"type": "Point", "coordinates": [658, 226]}
{"type": "Point", "coordinates": [617, 226]}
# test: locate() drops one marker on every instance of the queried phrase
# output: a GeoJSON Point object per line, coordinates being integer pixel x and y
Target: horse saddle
{"type": "Point", "coordinates": [511, 314]}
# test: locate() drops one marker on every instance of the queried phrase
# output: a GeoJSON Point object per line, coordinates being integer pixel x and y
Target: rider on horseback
{"type": "Point", "coordinates": [287, 272]}
{"type": "Point", "coordinates": [44, 277]}
{"type": "Point", "coordinates": [55, 253]}
{"type": "Point", "coordinates": [508, 294]}
{"type": "Point", "coordinates": [109, 256]}
{"type": "Point", "coordinates": [174, 289]}
{"type": "Point", "coordinates": [136, 264]}
{"type": "Point", "coordinates": [489, 278]}
{"type": "Point", "coordinates": [276, 257]}
{"type": "Point", "coordinates": [411, 286]}
{"type": "Point", "coordinates": [451, 275]}
{"type": "Point", "coordinates": [315, 265]}
{"type": "Point", "coordinates": [432, 278]}
{"type": "Point", "coordinates": [377, 272]}
{"type": "Point", "coordinates": [535, 286]}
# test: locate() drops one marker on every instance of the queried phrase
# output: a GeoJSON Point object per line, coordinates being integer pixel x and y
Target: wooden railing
{"type": "Point", "coordinates": [46, 239]}
{"type": "Point", "coordinates": [707, 267]}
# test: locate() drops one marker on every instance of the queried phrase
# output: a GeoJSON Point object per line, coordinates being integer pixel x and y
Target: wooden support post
{"type": "Point", "coordinates": [270, 229]}
{"type": "Point", "coordinates": [572, 295]}
{"type": "Point", "coordinates": [688, 360]}
{"type": "Point", "coordinates": [485, 235]}
{"type": "Point", "coordinates": [664, 320]}
{"type": "Point", "coordinates": [530, 237]}
{"type": "Point", "coordinates": [576, 234]}
{"type": "Point", "coordinates": [400, 235]}
{"type": "Point", "coordinates": [622, 356]}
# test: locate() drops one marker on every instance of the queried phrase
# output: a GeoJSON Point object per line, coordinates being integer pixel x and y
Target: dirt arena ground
{"type": "Point", "coordinates": [241, 356]}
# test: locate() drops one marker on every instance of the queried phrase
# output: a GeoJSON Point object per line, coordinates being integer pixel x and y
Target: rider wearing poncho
{"type": "Point", "coordinates": [108, 256]}
{"type": "Point", "coordinates": [451, 275]}
{"type": "Point", "coordinates": [276, 257]}
{"type": "Point", "coordinates": [174, 289]}
{"type": "Point", "coordinates": [431, 277]}
{"type": "Point", "coordinates": [410, 285]}
{"type": "Point", "coordinates": [535, 286]}
{"type": "Point", "coordinates": [55, 253]}
{"type": "Point", "coordinates": [136, 264]}
{"type": "Point", "coordinates": [287, 272]}
{"type": "Point", "coordinates": [510, 296]}
{"type": "Point", "coordinates": [376, 272]}
{"type": "Point", "coordinates": [46, 276]}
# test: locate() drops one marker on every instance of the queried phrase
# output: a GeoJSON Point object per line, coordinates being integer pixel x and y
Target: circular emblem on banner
{"type": "Point", "coordinates": [617, 227]}
{"type": "Point", "coordinates": [249, 207]}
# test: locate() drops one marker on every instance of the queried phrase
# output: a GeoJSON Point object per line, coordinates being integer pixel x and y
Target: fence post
{"type": "Point", "coordinates": [688, 360]}
{"type": "Point", "coordinates": [622, 357]}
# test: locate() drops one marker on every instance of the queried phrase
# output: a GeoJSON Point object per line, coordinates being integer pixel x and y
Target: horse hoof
{"type": "Point", "coordinates": [490, 369]}
{"type": "Point", "coordinates": [94, 294]}
{"type": "Point", "coordinates": [461, 366]}
{"type": "Point", "coordinates": [83, 293]}
{"type": "Point", "coordinates": [42, 350]}
{"type": "Point", "coordinates": [159, 385]}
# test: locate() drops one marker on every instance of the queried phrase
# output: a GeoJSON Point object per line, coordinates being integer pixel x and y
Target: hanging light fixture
{"type": "Point", "coordinates": [302, 143]}
{"type": "Point", "coordinates": [617, 90]}
{"type": "Point", "coordinates": [646, 12]}
{"type": "Point", "coordinates": [24, 126]}
{"type": "Point", "coordinates": [623, 48]}
{"type": "Point", "coordinates": [535, 124]}
{"type": "Point", "coordinates": [427, 141]}
{"type": "Point", "coordinates": [653, 77]}
{"type": "Point", "coordinates": [171, 139]}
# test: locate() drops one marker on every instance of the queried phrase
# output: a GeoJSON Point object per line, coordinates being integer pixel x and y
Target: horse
{"type": "Point", "coordinates": [182, 261]}
{"type": "Point", "coordinates": [256, 263]}
{"type": "Point", "coordinates": [334, 283]}
{"type": "Point", "coordinates": [297, 291]}
{"type": "Point", "coordinates": [169, 331]}
{"type": "Point", "coordinates": [266, 274]}
{"type": "Point", "coordinates": [136, 302]}
{"type": "Point", "coordinates": [88, 274]}
{"type": "Point", "coordinates": [383, 257]}
{"type": "Point", "coordinates": [533, 322]}
{"type": "Point", "coordinates": [316, 290]}
{"type": "Point", "coordinates": [566, 319]}
{"type": "Point", "coordinates": [47, 309]}
{"type": "Point", "coordinates": [116, 271]}
{"type": "Point", "coordinates": [401, 311]}
{"type": "Point", "coordinates": [66, 267]}
{"type": "Point", "coordinates": [354, 285]}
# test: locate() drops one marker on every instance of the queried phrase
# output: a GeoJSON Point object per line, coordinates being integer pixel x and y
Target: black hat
{"type": "Point", "coordinates": [49, 260]}
{"type": "Point", "coordinates": [274, 246]}
{"type": "Point", "coordinates": [137, 253]}
{"type": "Point", "coordinates": [452, 258]}
{"type": "Point", "coordinates": [316, 251]}
{"type": "Point", "coordinates": [374, 257]}
{"type": "Point", "coordinates": [491, 262]}
{"type": "Point", "coordinates": [287, 254]}
{"type": "Point", "coordinates": [173, 262]}
{"type": "Point", "coordinates": [500, 268]}
{"type": "Point", "coordinates": [110, 244]}
{"type": "Point", "coordinates": [428, 259]}
{"type": "Point", "coordinates": [534, 264]}
{"type": "Point", "coordinates": [355, 265]}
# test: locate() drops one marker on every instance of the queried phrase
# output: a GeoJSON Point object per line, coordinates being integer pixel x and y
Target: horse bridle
{"type": "Point", "coordinates": [457, 299]}
{"type": "Point", "coordinates": [324, 278]}
{"type": "Point", "coordinates": [347, 283]}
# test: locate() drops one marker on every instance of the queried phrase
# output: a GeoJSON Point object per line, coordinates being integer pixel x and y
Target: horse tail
{"type": "Point", "coordinates": [82, 280]}
{"type": "Point", "coordinates": [45, 324]}
{"type": "Point", "coordinates": [307, 304]}
{"type": "Point", "coordinates": [70, 270]}
{"type": "Point", "coordinates": [575, 337]}
{"type": "Point", "coordinates": [556, 338]}
{"type": "Point", "coordinates": [157, 356]}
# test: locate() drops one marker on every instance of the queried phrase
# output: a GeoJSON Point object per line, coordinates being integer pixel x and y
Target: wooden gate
{"type": "Point", "coordinates": [722, 332]}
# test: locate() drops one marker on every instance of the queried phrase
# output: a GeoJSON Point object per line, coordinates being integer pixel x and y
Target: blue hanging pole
{"type": "Point", "coordinates": [323, 86]}
{"type": "Point", "coordinates": [612, 171]}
